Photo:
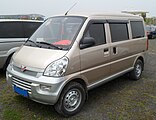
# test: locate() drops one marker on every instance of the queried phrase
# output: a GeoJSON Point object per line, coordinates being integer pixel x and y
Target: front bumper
{"type": "Point", "coordinates": [40, 88]}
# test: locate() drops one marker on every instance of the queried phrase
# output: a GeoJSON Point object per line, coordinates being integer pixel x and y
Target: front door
{"type": "Point", "coordinates": [95, 59]}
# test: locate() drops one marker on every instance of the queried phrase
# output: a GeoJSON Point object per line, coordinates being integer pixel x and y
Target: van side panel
{"type": "Point", "coordinates": [127, 42]}
{"type": "Point", "coordinates": [127, 52]}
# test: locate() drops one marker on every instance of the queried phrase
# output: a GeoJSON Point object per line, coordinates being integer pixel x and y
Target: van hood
{"type": "Point", "coordinates": [34, 57]}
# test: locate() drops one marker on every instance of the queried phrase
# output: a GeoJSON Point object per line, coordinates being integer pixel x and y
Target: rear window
{"type": "Point", "coordinates": [11, 30]}
{"type": "Point", "coordinates": [119, 32]}
{"type": "Point", "coordinates": [137, 29]}
{"type": "Point", "coordinates": [18, 29]}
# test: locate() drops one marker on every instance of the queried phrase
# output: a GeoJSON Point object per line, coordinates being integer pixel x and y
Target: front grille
{"type": "Point", "coordinates": [25, 85]}
{"type": "Point", "coordinates": [27, 72]}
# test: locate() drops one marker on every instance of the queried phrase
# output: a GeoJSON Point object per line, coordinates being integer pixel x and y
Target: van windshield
{"type": "Point", "coordinates": [58, 32]}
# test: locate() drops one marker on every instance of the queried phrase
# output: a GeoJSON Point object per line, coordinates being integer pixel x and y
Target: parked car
{"type": "Point", "coordinates": [71, 54]}
{"type": "Point", "coordinates": [13, 33]}
{"type": "Point", "coordinates": [151, 31]}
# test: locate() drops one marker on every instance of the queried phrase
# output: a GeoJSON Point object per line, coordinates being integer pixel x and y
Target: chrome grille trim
{"type": "Point", "coordinates": [22, 84]}
{"type": "Point", "coordinates": [27, 72]}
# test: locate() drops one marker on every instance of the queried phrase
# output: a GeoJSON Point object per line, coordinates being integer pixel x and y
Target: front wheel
{"type": "Point", "coordinates": [71, 99]}
{"type": "Point", "coordinates": [136, 73]}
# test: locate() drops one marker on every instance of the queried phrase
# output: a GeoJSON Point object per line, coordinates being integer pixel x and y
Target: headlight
{"type": "Point", "coordinates": [56, 68]}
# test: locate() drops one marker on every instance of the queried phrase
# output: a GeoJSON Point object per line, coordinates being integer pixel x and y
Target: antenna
{"type": "Point", "coordinates": [70, 8]}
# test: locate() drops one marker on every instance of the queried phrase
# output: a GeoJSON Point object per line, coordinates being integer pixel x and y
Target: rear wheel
{"type": "Point", "coordinates": [71, 100]}
{"type": "Point", "coordinates": [136, 73]}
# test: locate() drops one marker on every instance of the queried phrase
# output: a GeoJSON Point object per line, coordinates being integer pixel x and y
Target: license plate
{"type": "Point", "coordinates": [21, 91]}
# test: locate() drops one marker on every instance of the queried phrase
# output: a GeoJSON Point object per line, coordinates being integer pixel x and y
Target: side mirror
{"type": "Point", "coordinates": [87, 42]}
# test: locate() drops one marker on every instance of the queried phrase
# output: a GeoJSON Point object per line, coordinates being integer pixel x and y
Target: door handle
{"type": "Point", "coordinates": [106, 51]}
{"type": "Point", "coordinates": [114, 50]}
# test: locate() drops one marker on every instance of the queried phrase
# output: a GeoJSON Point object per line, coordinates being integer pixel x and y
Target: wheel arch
{"type": "Point", "coordinates": [78, 80]}
{"type": "Point", "coordinates": [7, 61]}
{"type": "Point", "coordinates": [140, 58]}
{"type": "Point", "coordinates": [9, 55]}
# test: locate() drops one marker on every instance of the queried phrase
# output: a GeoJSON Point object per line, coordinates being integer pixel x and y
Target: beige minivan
{"type": "Point", "coordinates": [71, 54]}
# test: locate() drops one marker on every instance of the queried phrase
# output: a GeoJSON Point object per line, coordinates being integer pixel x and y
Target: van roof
{"type": "Point", "coordinates": [19, 20]}
{"type": "Point", "coordinates": [104, 14]}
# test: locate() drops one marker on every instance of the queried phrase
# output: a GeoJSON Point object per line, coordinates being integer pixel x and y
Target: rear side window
{"type": "Point", "coordinates": [30, 28]}
{"type": "Point", "coordinates": [11, 30]}
{"type": "Point", "coordinates": [119, 31]}
{"type": "Point", "coordinates": [96, 31]}
{"type": "Point", "coordinates": [137, 29]}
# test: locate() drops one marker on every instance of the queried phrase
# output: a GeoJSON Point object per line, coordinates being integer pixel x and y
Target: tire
{"type": "Point", "coordinates": [71, 99]}
{"type": "Point", "coordinates": [136, 73]}
{"type": "Point", "coordinates": [149, 36]}
{"type": "Point", "coordinates": [152, 36]}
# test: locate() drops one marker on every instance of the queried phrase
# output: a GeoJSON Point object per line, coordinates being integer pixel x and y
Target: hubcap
{"type": "Point", "coordinates": [138, 70]}
{"type": "Point", "coordinates": [72, 100]}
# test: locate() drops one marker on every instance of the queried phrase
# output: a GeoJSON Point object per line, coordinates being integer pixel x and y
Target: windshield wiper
{"type": "Point", "coordinates": [32, 42]}
{"type": "Point", "coordinates": [51, 45]}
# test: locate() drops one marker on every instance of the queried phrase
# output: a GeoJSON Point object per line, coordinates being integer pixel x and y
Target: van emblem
{"type": "Point", "coordinates": [23, 68]}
